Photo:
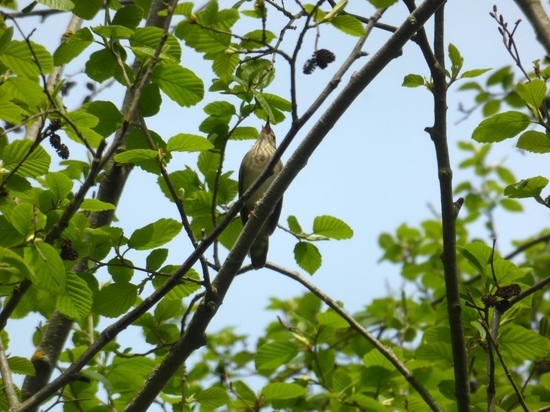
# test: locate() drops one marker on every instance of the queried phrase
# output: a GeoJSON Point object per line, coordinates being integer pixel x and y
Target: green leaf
{"type": "Point", "coordinates": [491, 107]}
{"type": "Point", "coordinates": [532, 93]}
{"type": "Point", "coordinates": [36, 164]}
{"type": "Point", "coordinates": [308, 257]}
{"type": "Point", "coordinates": [5, 37]}
{"type": "Point", "coordinates": [184, 142]}
{"type": "Point", "coordinates": [179, 84]}
{"type": "Point", "coordinates": [224, 65]}
{"type": "Point", "coordinates": [293, 225]}
{"type": "Point", "coordinates": [155, 259]}
{"type": "Point", "coordinates": [136, 155]}
{"type": "Point", "coordinates": [59, 184]}
{"type": "Point", "coordinates": [212, 397]}
{"type": "Point", "coordinates": [332, 320]}
{"type": "Point", "coordinates": [501, 126]}
{"type": "Point", "coordinates": [274, 354]}
{"type": "Point", "coordinates": [101, 65]}
{"type": "Point", "coordinates": [413, 80]}
{"type": "Point", "coordinates": [381, 4]}
{"type": "Point", "coordinates": [24, 90]}
{"type": "Point", "coordinates": [85, 124]}
{"type": "Point", "coordinates": [332, 227]}
{"type": "Point", "coordinates": [523, 344]}
{"type": "Point", "coordinates": [349, 25]}
{"type": "Point", "coordinates": [471, 74]}
{"type": "Point", "coordinates": [282, 390]}
{"type": "Point", "coordinates": [87, 9]}
{"type": "Point", "coordinates": [63, 5]}
{"type": "Point", "coordinates": [48, 272]}
{"type": "Point", "coordinates": [76, 302]}
{"type": "Point", "coordinates": [128, 16]}
{"type": "Point", "coordinates": [18, 57]}
{"type": "Point", "coordinates": [435, 352]}
{"type": "Point", "coordinates": [229, 236]}
{"type": "Point", "coordinates": [257, 39]}
{"type": "Point", "coordinates": [456, 58]}
{"type": "Point", "coordinates": [244, 133]}
{"type": "Point", "coordinates": [95, 205]}
{"type": "Point", "coordinates": [150, 100]}
{"type": "Point", "coordinates": [23, 219]}
{"type": "Point", "coordinates": [21, 365]}
{"type": "Point", "coordinates": [155, 234]}
{"type": "Point", "coordinates": [115, 299]}
{"type": "Point", "coordinates": [110, 117]}
{"type": "Point", "coordinates": [13, 267]}
{"type": "Point", "coordinates": [148, 38]}
{"type": "Point", "coordinates": [525, 188]}
{"type": "Point", "coordinates": [534, 142]}
{"type": "Point", "coordinates": [477, 253]}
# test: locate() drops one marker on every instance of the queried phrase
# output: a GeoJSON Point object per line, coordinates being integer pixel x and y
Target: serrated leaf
{"type": "Point", "coordinates": [380, 4]}
{"type": "Point", "coordinates": [115, 299]}
{"type": "Point", "coordinates": [244, 133]}
{"type": "Point", "coordinates": [24, 90]}
{"type": "Point", "coordinates": [111, 118]}
{"type": "Point", "coordinates": [257, 39]}
{"type": "Point", "coordinates": [76, 302]}
{"type": "Point", "coordinates": [184, 142]}
{"type": "Point", "coordinates": [59, 184]}
{"type": "Point", "coordinates": [179, 84]}
{"type": "Point", "coordinates": [521, 343]}
{"type": "Point", "coordinates": [534, 142]}
{"type": "Point", "coordinates": [128, 16]}
{"type": "Point", "coordinates": [274, 354]}
{"type": "Point", "coordinates": [96, 205]}
{"type": "Point", "coordinates": [101, 65]}
{"type": "Point", "coordinates": [477, 253]}
{"type": "Point", "coordinates": [349, 25]}
{"type": "Point", "coordinates": [413, 80]}
{"type": "Point", "coordinates": [18, 57]}
{"type": "Point", "coordinates": [48, 272]}
{"type": "Point", "coordinates": [332, 227]}
{"type": "Point", "coordinates": [532, 93]}
{"type": "Point", "coordinates": [282, 390]}
{"type": "Point", "coordinates": [24, 221]}
{"type": "Point", "coordinates": [85, 123]}
{"type": "Point", "coordinates": [155, 234]}
{"type": "Point", "coordinates": [332, 319]}
{"type": "Point", "coordinates": [308, 257]}
{"type": "Point", "coordinates": [454, 55]}
{"type": "Point", "coordinates": [21, 366]}
{"type": "Point", "coordinates": [155, 259]}
{"type": "Point", "coordinates": [293, 224]}
{"type": "Point", "coordinates": [63, 5]}
{"type": "Point", "coordinates": [224, 65]}
{"type": "Point", "coordinates": [471, 74]}
{"type": "Point", "coordinates": [36, 164]}
{"type": "Point", "coordinates": [525, 188]}
{"type": "Point", "coordinates": [136, 156]}
{"type": "Point", "coordinates": [212, 397]}
{"type": "Point", "coordinates": [87, 9]}
{"type": "Point", "coordinates": [148, 38]}
{"type": "Point", "coordinates": [501, 126]}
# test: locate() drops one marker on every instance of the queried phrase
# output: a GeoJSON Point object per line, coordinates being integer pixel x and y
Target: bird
{"type": "Point", "coordinates": [253, 165]}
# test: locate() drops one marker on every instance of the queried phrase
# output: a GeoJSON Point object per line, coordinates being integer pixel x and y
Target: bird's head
{"type": "Point", "coordinates": [267, 135]}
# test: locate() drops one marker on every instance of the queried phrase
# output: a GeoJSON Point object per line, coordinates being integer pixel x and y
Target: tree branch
{"type": "Point", "coordinates": [539, 20]}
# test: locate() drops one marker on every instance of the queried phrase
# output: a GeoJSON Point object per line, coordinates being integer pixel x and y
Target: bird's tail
{"type": "Point", "coordinates": [258, 250]}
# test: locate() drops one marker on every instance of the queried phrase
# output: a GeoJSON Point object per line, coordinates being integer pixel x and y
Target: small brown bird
{"type": "Point", "coordinates": [252, 166]}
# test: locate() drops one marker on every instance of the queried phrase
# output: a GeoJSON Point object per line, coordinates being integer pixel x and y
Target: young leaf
{"type": "Point", "coordinates": [96, 205]}
{"type": "Point", "coordinates": [115, 299]}
{"type": "Point", "coordinates": [349, 25]}
{"type": "Point", "coordinates": [274, 354]}
{"type": "Point", "coordinates": [293, 225]}
{"type": "Point", "coordinates": [531, 187]}
{"type": "Point", "coordinates": [212, 397]}
{"type": "Point", "coordinates": [468, 74]}
{"type": "Point", "coordinates": [18, 57]}
{"type": "Point", "coordinates": [179, 84]}
{"type": "Point", "coordinates": [48, 272]}
{"type": "Point", "coordinates": [532, 93]}
{"type": "Point", "coordinates": [155, 234]}
{"type": "Point", "coordinates": [501, 126]}
{"type": "Point", "coordinates": [413, 80]}
{"type": "Point", "coordinates": [76, 302]}
{"type": "Point", "coordinates": [308, 257]}
{"type": "Point", "coordinates": [184, 142]}
{"type": "Point", "coordinates": [535, 142]}
{"type": "Point", "coordinates": [282, 390]}
{"type": "Point", "coordinates": [456, 58]}
{"type": "Point", "coordinates": [332, 227]}
{"type": "Point", "coordinates": [73, 46]}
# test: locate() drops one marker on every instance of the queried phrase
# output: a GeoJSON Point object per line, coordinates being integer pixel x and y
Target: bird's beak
{"type": "Point", "coordinates": [267, 128]}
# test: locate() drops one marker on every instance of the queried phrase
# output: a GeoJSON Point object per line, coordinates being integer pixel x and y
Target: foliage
{"type": "Point", "coordinates": [58, 241]}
